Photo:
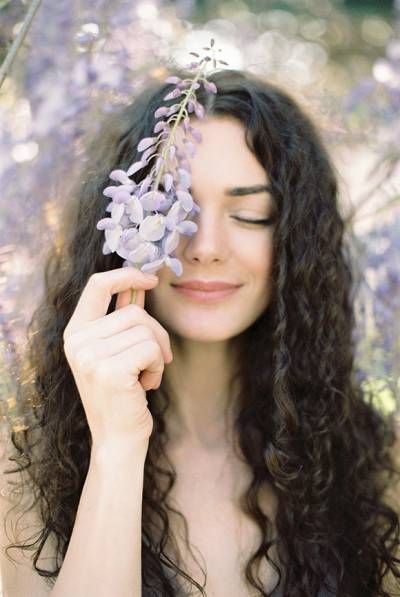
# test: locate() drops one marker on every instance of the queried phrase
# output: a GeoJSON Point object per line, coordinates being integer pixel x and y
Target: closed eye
{"type": "Point", "coordinates": [264, 222]}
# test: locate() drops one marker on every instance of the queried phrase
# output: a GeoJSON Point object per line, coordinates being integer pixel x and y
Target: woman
{"type": "Point", "coordinates": [196, 432]}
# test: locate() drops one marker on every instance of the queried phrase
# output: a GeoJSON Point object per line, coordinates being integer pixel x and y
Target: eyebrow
{"type": "Point", "coordinates": [239, 191]}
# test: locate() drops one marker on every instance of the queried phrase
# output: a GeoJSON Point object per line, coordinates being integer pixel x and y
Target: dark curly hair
{"type": "Point", "coordinates": [305, 424]}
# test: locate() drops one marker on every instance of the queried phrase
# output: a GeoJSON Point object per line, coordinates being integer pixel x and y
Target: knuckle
{"type": "Point", "coordinates": [144, 331]}
{"type": "Point", "coordinates": [97, 279]}
{"type": "Point", "coordinates": [132, 311]}
{"type": "Point", "coordinates": [65, 334]}
{"type": "Point", "coordinates": [165, 334]}
{"type": "Point", "coordinates": [154, 348]}
{"type": "Point", "coordinates": [105, 372]}
{"type": "Point", "coordinates": [84, 359]}
{"type": "Point", "coordinates": [68, 344]}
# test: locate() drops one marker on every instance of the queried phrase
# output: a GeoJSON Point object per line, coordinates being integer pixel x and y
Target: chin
{"type": "Point", "coordinates": [206, 328]}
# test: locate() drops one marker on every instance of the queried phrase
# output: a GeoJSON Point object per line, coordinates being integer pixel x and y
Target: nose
{"type": "Point", "coordinates": [208, 243]}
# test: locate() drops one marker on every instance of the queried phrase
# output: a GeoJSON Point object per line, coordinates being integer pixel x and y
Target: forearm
{"type": "Point", "coordinates": [104, 553]}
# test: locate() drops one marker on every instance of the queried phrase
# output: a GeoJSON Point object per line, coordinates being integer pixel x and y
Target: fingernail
{"type": "Point", "coordinates": [152, 276]}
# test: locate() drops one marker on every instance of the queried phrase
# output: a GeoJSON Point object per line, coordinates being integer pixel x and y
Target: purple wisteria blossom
{"type": "Point", "coordinates": [146, 221]}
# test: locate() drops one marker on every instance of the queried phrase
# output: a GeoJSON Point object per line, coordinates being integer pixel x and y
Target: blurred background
{"type": "Point", "coordinates": [339, 58]}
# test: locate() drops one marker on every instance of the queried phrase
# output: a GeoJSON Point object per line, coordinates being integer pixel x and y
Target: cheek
{"type": "Point", "coordinates": [255, 255]}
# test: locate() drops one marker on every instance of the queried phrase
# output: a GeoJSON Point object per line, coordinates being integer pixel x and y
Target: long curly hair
{"type": "Point", "coordinates": [305, 424]}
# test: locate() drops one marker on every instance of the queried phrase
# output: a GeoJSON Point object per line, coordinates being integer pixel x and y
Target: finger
{"type": "Point", "coordinates": [149, 364]}
{"type": "Point", "coordinates": [96, 296]}
{"type": "Point", "coordinates": [124, 298]}
{"type": "Point", "coordinates": [118, 343]}
{"type": "Point", "coordinates": [125, 319]}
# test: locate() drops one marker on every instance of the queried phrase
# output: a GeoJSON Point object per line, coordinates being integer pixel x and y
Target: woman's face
{"type": "Point", "coordinates": [223, 248]}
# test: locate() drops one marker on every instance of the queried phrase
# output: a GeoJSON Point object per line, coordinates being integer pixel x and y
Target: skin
{"type": "Point", "coordinates": [221, 249]}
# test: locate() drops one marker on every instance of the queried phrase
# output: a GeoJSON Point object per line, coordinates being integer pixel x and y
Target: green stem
{"type": "Point", "coordinates": [172, 135]}
{"type": "Point", "coordinates": [18, 41]}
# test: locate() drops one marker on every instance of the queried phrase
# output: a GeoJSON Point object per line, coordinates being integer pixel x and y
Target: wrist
{"type": "Point", "coordinates": [112, 452]}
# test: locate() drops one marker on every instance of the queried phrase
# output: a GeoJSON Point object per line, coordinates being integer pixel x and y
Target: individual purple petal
{"type": "Point", "coordinates": [173, 94]}
{"type": "Point", "coordinates": [173, 79]}
{"type": "Point", "coordinates": [162, 111]}
{"type": "Point", "coordinates": [153, 227]}
{"type": "Point", "coordinates": [135, 167]}
{"type": "Point", "coordinates": [120, 176]}
{"type": "Point", "coordinates": [146, 142]}
{"type": "Point", "coordinates": [185, 199]}
{"type": "Point", "coordinates": [160, 126]}
{"type": "Point", "coordinates": [170, 242]}
{"type": "Point", "coordinates": [187, 227]}
{"type": "Point", "coordinates": [135, 210]}
{"type": "Point", "coordinates": [175, 215]}
{"type": "Point", "coordinates": [159, 163]}
{"type": "Point", "coordinates": [165, 204]}
{"type": "Point", "coordinates": [133, 243]}
{"type": "Point", "coordinates": [125, 221]}
{"type": "Point", "coordinates": [195, 208]}
{"type": "Point", "coordinates": [139, 255]}
{"type": "Point", "coordinates": [145, 251]}
{"type": "Point", "coordinates": [117, 212]}
{"type": "Point", "coordinates": [185, 164]}
{"type": "Point", "coordinates": [146, 154]}
{"type": "Point", "coordinates": [153, 266]}
{"type": "Point", "coordinates": [174, 108]}
{"type": "Point", "coordinates": [184, 177]}
{"type": "Point", "coordinates": [113, 236]}
{"type": "Point", "coordinates": [190, 106]}
{"type": "Point", "coordinates": [184, 83]}
{"type": "Point", "coordinates": [121, 196]}
{"type": "Point", "coordinates": [106, 249]}
{"type": "Point", "coordinates": [151, 200]}
{"type": "Point", "coordinates": [174, 264]}
{"type": "Point", "coordinates": [130, 234]}
{"type": "Point", "coordinates": [195, 134]}
{"type": "Point", "coordinates": [105, 224]}
{"type": "Point", "coordinates": [144, 185]}
{"type": "Point", "coordinates": [110, 191]}
{"type": "Point", "coordinates": [168, 180]}
{"type": "Point", "coordinates": [186, 124]}
{"type": "Point", "coordinates": [209, 86]}
{"type": "Point", "coordinates": [191, 149]}
{"type": "Point", "coordinates": [123, 251]}
{"type": "Point", "coordinates": [199, 110]}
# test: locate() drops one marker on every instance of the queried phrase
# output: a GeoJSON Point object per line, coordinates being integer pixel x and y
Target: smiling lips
{"type": "Point", "coordinates": [206, 291]}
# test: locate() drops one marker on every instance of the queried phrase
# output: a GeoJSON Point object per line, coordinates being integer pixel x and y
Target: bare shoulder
{"type": "Point", "coordinates": [19, 524]}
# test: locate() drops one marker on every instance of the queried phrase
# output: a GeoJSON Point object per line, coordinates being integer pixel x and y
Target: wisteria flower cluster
{"type": "Point", "coordinates": [146, 221]}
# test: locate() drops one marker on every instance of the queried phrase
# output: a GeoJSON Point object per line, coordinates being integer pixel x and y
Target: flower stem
{"type": "Point", "coordinates": [18, 41]}
{"type": "Point", "coordinates": [172, 134]}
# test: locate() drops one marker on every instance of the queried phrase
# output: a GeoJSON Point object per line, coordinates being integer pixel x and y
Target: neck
{"type": "Point", "coordinates": [202, 402]}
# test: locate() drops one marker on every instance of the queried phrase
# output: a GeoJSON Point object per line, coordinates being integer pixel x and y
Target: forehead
{"type": "Point", "coordinates": [222, 157]}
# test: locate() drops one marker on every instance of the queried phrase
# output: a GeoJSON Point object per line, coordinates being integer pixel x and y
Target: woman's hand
{"type": "Point", "coordinates": [115, 358]}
